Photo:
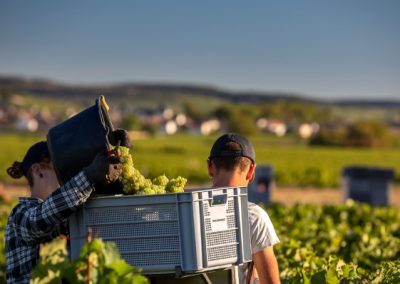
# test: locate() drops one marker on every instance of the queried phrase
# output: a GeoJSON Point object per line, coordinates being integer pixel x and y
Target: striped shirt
{"type": "Point", "coordinates": [33, 222]}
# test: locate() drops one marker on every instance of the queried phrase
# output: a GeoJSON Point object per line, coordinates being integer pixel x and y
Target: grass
{"type": "Point", "coordinates": [294, 163]}
{"type": "Point", "coordinates": [13, 148]}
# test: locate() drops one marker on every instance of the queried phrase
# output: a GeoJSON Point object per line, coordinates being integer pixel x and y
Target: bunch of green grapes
{"type": "Point", "coordinates": [176, 185]}
{"type": "Point", "coordinates": [161, 180]}
{"type": "Point", "coordinates": [132, 180]}
{"type": "Point", "coordinates": [135, 183]}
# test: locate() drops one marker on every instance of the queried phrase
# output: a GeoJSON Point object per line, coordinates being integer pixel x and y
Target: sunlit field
{"type": "Point", "coordinates": [322, 244]}
{"type": "Point", "coordinates": [295, 164]}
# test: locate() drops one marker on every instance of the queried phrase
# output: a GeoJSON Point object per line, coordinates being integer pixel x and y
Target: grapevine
{"type": "Point", "coordinates": [99, 263]}
{"type": "Point", "coordinates": [321, 253]}
{"type": "Point", "coordinates": [135, 183]}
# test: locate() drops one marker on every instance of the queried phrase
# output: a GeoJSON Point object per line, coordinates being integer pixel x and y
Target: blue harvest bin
{"type": "Point", "coordinates": [260, 189]}
{"type": "Point", "coordinates": [367, 184]}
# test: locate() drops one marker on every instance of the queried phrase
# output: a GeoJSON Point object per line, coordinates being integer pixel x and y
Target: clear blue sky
{"type": "Point", "coordinates": [322, 49]}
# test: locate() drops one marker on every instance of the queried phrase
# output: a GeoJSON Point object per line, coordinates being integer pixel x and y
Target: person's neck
{"type": "Point", "coordinates": [39, 192]}
{"type": "Point", "coordinates": [229, 180]}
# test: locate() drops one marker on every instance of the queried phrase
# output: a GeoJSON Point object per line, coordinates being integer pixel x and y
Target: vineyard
{"type": "Point", "coordinates": [324, 244]}
{"type": "Point", "coordinates": [349, 243]}
{"type": "Point", "coordinates": [185, 155]}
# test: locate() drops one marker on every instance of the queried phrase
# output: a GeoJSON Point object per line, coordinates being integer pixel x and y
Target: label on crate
{"type": "Point", "coordinates": [218, 219]}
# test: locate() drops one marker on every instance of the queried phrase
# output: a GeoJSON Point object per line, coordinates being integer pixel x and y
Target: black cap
{"type": "Point", "coordinates": [34, 155]}
{"type": "Point", "coordinates": [221, 148]}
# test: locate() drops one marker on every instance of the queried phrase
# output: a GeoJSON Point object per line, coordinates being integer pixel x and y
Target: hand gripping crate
{"type": "Point", "coordinates": [182, 233]}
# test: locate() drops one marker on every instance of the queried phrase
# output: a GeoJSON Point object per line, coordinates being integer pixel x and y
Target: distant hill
{"type": "Point", "coordinates": [146, 94]}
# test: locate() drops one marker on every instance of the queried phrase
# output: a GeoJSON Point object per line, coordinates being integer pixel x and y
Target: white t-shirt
{"type": "Point", "coordinates": [262, 234]}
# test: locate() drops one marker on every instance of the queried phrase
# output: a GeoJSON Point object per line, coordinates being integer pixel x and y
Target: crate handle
{"type": "Point", "coordinates": [219, 199]}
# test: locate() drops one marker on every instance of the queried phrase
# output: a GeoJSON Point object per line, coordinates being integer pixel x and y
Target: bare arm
{"type": "Point", "coordinates": [266, 265]}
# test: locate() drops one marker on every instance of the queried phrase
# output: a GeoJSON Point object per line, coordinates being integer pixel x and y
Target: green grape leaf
{"type": "Point", "coordinates": [331, 276]}
{"type": "Point", "coordinates": [120, 267]}
{"type": "Point", "coordinates": [319, 277]}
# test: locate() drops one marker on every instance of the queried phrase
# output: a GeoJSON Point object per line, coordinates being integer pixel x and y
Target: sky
{"type": "Point", "coordinates": [320, 49]}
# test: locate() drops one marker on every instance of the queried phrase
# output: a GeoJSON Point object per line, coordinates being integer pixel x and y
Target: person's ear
{"type": "Point", "coordinates": [36, 170]}
{"type": "Point", "coordinates": [251, 172]}
{"type": "Point", "coordinates": [210, 168]}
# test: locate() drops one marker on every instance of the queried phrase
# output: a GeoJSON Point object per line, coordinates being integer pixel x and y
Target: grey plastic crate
{"type": "Point", "coordinates": [184, 233]}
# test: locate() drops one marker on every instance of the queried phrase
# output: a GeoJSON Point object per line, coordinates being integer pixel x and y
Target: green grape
{"type": "Point", "coordinates": [158, 189]}
{"type": "Point", "coordinates": [148, 190]}
{"type": "Point", "coordinates": [124, 151]}
{"type": "Point", "coordinates": [134, 182]}
{"type": "Point", "coordinates": [176, 185]}
{"type": "Point", "coordinates": [161, 180]}
{"type": "Point", "coordinates": [175, 189]}
{"type": "Point", "coordinates": [147, 182]}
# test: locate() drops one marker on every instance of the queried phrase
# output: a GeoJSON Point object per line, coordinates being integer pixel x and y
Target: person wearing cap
{"type": "Point", "coordinates": [232, 163]}
{"type": "Point", "coordinates": [42, 216]}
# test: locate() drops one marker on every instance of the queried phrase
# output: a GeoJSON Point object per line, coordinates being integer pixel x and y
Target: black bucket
{"type": "Point", "coordinates": [75, 142]}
